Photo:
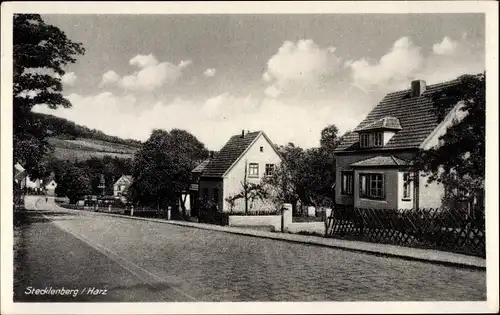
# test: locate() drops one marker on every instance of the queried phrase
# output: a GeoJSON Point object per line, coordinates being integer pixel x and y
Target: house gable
{"type": "Point", "coordinates": [51, 185]}
{"type": "Point", "coordinates": [124, 180]}
{"type": "Point", "coordinates": [266, 145]}
{"type": "Point", "coordinates": [232, 152]}
{"type": "Point", "coordinates": [258, 157]}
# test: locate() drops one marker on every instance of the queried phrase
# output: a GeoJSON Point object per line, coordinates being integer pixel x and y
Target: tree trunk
{"type": "Point", "coordinates": [246, 202]}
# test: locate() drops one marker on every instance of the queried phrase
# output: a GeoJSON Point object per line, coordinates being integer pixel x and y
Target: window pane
{"type": "Point", "coordinates": [253, 169]}
{"type": "Point", "coordinates": [363, 185]}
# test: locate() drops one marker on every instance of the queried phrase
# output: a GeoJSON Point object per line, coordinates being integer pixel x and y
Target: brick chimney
{"type": "Point", "coordinates": [243, 133]}
{"type": "Point", "coordinates": [417, 88]}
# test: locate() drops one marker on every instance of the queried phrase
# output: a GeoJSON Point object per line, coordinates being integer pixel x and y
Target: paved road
{"type": "Point", "coordinates": [147, 261]}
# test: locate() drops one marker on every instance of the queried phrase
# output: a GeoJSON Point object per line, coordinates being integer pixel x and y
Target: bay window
{"type": "Point", "coordinates": [371, 186]}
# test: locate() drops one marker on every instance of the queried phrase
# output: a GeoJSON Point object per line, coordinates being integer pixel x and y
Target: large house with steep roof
{"type": "Point", "coordinates": [250, 155]}
{"type": "Point", "coordinates": [373, 163]}
{"type": "Point", "coordinates": [121, 186]}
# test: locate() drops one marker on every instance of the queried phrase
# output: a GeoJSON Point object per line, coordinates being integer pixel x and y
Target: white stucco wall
{"type": "Point", "coordinates": [254, 220]}
{"type": "Point", "coordinates": [387, 136]}
{"type": "Point", "coordinates": [430, 195]}
{"type": "Point", "coordinates": [235, 176]}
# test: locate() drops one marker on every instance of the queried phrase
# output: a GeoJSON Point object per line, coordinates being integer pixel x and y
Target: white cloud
{"type": "Point", "coordinates": [301, 64]}
{"type": "Point", "coordinates": [213, 120]}
{"type": "Point", "coordinates": [446, 47]}
{"type": "Point", "coordinates": [69, 78]}
{"type": "Point", "coordinates": [295, 66]}
{"type": "Point", "coordinates": [143, 61]}
{"type": "Point", "coordinates": [405, 62]}
{"type": "Point", "coordinates": [272, 91]}
{"type": "Point", "coordinates": [152, 74]}
{"type": "Point", "coordinates": [400, 63]}
{"type": "Point", "coordinates": [210, 72]}
{"type": "Point", "coordinates": [185, 63]}
{"type": "Point", "coordinates": [109, 77]}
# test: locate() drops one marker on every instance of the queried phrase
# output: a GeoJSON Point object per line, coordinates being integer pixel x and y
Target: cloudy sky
{"type": "Point", "coordinates": [289, 75]}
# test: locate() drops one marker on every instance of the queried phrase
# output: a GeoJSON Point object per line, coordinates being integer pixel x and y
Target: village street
{"type": "Point", "coordinates": [135, 260]}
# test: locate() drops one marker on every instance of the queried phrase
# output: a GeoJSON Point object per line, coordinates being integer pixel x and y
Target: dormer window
{"type": "Point", "coordinates": [377, 139]}
{"type": "Point", "coordinates": [364, 140]}
{"type": "Point", "coordinates": [378, 133]}
{"type": "Point", "coordinates": [373, 139]}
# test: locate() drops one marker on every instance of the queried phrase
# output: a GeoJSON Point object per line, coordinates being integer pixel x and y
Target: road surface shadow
{"type": "Point", "coordinates": [25, 218]}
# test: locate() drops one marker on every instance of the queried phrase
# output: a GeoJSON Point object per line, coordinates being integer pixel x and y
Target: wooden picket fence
{"type": "Point", "coordinates": [455, 230]}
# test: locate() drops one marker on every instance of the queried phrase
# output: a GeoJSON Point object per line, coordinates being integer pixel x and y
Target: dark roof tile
{"type": "Point", "coordinates": [201, 167]}
{"type": "Point", "coordinates": [381, 161]}
{"type": "Point", "coordinates": [416, 117]}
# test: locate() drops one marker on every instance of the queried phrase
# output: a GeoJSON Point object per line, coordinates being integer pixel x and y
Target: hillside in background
{"type": "Point", "coordinates": [75, 142]}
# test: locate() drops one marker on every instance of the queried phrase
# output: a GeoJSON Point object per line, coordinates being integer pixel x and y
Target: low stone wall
{"type": "Point", "coordinates": [309, 227]}
{"type": "Point", "coordinates": [256, 220]}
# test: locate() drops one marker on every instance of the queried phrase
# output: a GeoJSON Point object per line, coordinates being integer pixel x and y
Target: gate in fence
{"type": "Point", "coordinates": [455, 230]}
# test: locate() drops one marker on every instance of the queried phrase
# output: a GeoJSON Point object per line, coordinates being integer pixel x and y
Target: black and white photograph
{"type": "Point", "coordinates": [178, 152]}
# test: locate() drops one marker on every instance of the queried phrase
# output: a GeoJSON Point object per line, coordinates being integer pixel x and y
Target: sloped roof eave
{"type": "Point", "coordinates": [381, 161]}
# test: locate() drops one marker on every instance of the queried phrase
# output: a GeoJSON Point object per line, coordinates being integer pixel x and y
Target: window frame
{"type": "Point", "coordinates": [253, 169]}
{"type": "Point", "coordinates": [344, 181]}
{"type": "Point", "coordinates": [362, 137]}
{"type": "Point", "coordinates": [266, 173]}
{"type": "Point", "coordinates": [407, 186]}
{"type": "Point", "coordinates": [378, 136]}
{"type": "Point", "coordinates": [367, 188]}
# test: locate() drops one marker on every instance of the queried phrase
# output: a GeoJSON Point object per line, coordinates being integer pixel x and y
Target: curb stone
{"type": "Point", "coordinates": [385, 250]}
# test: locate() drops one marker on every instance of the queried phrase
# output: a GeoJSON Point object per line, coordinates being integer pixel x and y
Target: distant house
{"type": "Point", "coordinates": [222, 175]}
{"type": "Point", "coordinates": [373, 162]}
{"type": "Point", "coordinates": [120, 187]}
{"type": "Point", "coordinates": [50, 187]}
{"type": "Point", "coordinates": [34, 186]}
{"type": "Point", "coordinates": [20, 176]}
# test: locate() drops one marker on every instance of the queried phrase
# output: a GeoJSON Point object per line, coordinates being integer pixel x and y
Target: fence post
{"type": "Point", "coordinates": [311, 211]}
{"type": "Point", "coordinates": [286, 216]}
{"type": "Point", "coordinates": [169, 212]}
{"type": "Point", "coordinates": [109, 208]}
{"type": "Point", "coordinates": [132, 210]}
{"type": "Point", "coordinates": [328, 213]}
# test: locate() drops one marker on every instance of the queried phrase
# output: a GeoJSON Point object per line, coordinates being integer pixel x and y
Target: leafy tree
{"type": "Point", "coordinates": [329, 137]}
{"type": "Point", "coordinates": [307, 175]}
{"type": "Point", "coordinates": [162, 167]}
{"type": "Point", "coordinates": [40, 52]}
{"type": "Point", "coordinates": [74, 183]}
{"type": "Point", "coordinates": [319, 176]}
{"type": "Point", "coordinates": [459, 161]}
{"type": "Point", "coordinates": [288, 178]}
